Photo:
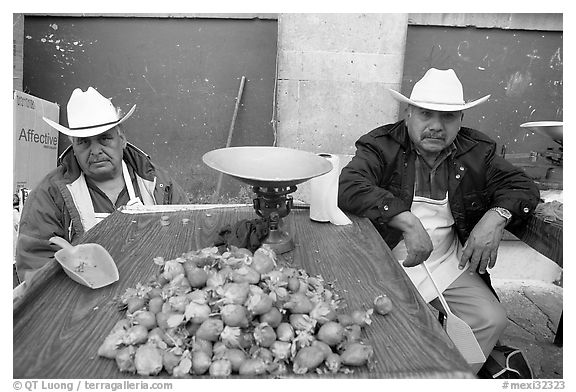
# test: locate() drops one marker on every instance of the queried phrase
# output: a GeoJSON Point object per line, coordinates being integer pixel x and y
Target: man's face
{"type": "Point", "coordinates": [432, 131]}
{"type": "Point", "coordinates": [100, 156]}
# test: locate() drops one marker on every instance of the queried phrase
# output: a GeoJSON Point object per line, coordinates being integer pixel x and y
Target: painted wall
{"type": "Point", "coordinates": [182, 73]}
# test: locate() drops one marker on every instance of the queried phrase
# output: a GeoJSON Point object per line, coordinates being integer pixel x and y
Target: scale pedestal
{"type": "Point", "coordinates": [273, 204]}
{"type": "Point", "coordinates": [273, 173]}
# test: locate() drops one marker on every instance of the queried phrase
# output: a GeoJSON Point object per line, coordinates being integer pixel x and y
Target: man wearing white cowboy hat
{"type": "Point", "coordinates": [96, 175]}
{"type": "Point", "coordinates": [438, 193]}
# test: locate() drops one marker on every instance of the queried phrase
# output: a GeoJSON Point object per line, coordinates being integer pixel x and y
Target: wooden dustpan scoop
{"type": "Point", "coordinates": [87, 264]}
{"type": "Point", "coordinates": [459, 332]}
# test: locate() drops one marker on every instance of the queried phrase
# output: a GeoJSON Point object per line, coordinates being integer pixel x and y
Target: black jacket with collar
{"type": "Point", "coordinates": [378, 183]}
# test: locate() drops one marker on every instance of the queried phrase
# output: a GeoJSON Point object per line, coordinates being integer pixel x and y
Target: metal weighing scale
{"type": "Point", "coordinates": [554, 130]}
{"type": "Point", "coordinates": [273, 173]}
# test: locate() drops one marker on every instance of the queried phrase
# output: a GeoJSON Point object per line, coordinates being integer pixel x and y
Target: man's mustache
{"type": "Point", "coordinates": [432, 135]}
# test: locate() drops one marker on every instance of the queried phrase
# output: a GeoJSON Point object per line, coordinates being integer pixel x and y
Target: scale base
{"type": "Point", "coordinates": [279, 241]}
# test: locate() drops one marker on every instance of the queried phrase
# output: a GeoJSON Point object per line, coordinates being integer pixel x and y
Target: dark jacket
{"type": "Point", "coordinates": [379, 181]}
{"type": "Point", "coordinates": [50, 209]}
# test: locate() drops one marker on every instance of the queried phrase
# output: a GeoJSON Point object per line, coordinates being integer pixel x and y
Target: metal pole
{"type": "Point", "coordinates": [231, 130]}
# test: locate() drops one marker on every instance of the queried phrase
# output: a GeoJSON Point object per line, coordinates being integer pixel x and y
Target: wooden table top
{"type": "Point", "coordinates": [59, 324]}
{"type": "Point", "coordinates": [545, 236]}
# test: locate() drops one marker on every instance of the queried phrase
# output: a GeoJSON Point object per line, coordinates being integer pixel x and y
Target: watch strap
{"type": "Point", "coordinates": [503, 212]}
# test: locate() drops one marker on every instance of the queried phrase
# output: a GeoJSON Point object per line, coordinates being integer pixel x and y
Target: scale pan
{"type": "Point", "coordinates": [267, 166]}
{"type": "Point", "coordinates": [552, 129]}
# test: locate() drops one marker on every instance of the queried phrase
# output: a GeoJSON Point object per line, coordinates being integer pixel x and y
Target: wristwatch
{"type": "Point", "coordinates": [503, 212]}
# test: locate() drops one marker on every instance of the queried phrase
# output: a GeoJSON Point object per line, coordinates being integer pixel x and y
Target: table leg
{"type": "Point", "coordinates": [15, 280]}
{"type": "Point", "coordinates": [559, 333]}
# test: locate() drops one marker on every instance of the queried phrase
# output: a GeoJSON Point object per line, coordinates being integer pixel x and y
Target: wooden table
{"type": "Point", "coordinates": [546, 237]}
{"type": "Point", "coordinates": [60, 324]}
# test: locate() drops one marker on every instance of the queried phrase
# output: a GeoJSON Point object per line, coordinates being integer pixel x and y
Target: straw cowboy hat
{"type": "Point", "coordinates": [438, 90]}
{"type": "Point", "coordinates": [89, 114]}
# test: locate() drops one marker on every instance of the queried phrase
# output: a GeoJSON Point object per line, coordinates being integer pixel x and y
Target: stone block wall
{"type": "Point", "coordinates": [333, 74]}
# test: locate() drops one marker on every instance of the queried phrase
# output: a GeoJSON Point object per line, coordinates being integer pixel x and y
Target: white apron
{"type": "Point", "coordinates": [437, 219]}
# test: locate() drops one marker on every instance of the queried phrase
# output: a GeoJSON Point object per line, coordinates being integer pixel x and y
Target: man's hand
{"type": "Point", "coordinates": [481, 249]}
{"type": "Point", "coordinates": [418, 243]}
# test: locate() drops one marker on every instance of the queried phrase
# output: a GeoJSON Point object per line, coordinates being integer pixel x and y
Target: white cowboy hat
{"type": "Point", "coordinates": [438, 90]}
{"type": "Point", "coordinates": [89, 114]}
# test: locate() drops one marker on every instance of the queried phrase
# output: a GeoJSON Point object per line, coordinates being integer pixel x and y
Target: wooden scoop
{"type": "Point", "coordinates": [87, 264]}
{"type": "Point", "coordinates": [459, 332]}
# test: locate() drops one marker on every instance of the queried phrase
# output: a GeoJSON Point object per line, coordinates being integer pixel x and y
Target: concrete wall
{"type": "Point", "coordinates": [333, 71]}
{"type": "Point", "coordinates": [333, 75]}
{"type": "Point", "coordinates": [18, 51]}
